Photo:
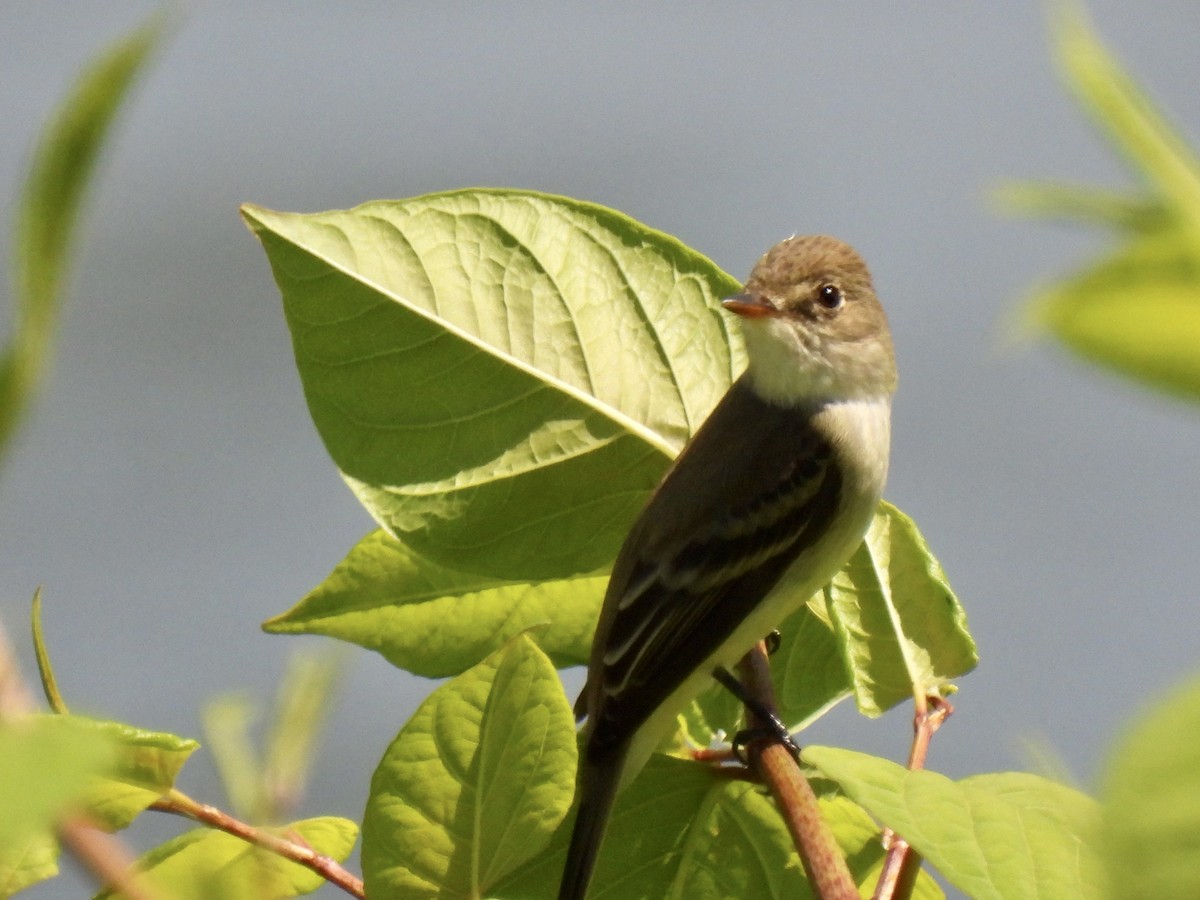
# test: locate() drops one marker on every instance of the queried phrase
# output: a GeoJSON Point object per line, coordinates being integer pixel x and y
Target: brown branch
{"type": "Point", "coordinates": [294, 848]}
{"type": "Point", "coordinates": [823, 861]}
{"type": "Point", "coordinates": [902, 863]}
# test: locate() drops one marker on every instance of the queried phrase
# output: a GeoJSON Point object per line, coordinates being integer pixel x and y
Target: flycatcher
{"type": "Point", "coordinates": [764, 505]}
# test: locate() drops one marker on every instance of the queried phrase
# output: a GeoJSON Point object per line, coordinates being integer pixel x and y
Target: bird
{"type": "Point", "coordinates": [765, 503]}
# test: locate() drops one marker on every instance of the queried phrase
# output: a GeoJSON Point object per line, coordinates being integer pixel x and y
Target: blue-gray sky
{"type": "Point", "coordinates": [170, 493]}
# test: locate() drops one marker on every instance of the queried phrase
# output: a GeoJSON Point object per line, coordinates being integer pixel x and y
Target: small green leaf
{"type": "Point", "coordinates": [49, 209]}
{"type": "Point", "coordinates": [501, 376]}
{"type": "Point", "coordinates": [49, 683]}
{"type": "Point", "coordinates": [436, 621]}
{"type": "Point", "coordinates": [902, 631]}
{"type": "Point", "coordinates": [204, 863]}
{"type": "Point", "coordinates": [475, 784]}
{"type": "Point", "coordinates": [1151, 796]}
{"type": "Point", "coordinates": [1001, 836]}
{"type": "Point", "coordinates": [146, 765]}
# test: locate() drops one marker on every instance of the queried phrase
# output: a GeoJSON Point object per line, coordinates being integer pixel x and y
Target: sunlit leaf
{"type": "Point", "coordinates": [476, 784]}
{"type": "Point", "coordinates": [204, 863]}
{"type": "Point", "coordinates": [1008, 835]}
{"type": "Point", "coordinates": [437, 621]}
{"type": "Point", "coordinates": [501, 376]}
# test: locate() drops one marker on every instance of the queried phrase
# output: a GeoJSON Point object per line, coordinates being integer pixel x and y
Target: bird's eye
{"type": "Point", "coordinates": [830, 296]}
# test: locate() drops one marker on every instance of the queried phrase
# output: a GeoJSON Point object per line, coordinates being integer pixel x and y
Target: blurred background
{"type": "Point", "coordinates": [170, 492]}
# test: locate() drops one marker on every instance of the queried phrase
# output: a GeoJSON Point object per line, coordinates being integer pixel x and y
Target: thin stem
{"type": "Point", "coordinates": [902, 863]}
{"type": "Point", "coordinates": [294, 848]}
{"type": "Point", "coordinates": [822, 858]}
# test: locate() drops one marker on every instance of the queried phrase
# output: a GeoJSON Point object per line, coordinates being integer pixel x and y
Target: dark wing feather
{"type": "Point", "coordinates": [679, 588]}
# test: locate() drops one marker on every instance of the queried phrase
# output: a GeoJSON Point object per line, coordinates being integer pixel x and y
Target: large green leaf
{"type": "Point", "coordinates": [1151, 813]}
{"type": "Point", "coordinates": [203, 863]}
{"type": "Point", "coordinates": [1009, 835]}
{"type": "Point", "coordinates": [501, 376]}
{"type": "Point", "coordinates": [436, 621]}
{"type": "Point", "coordinates": [475, 784]}
{"type": "Point", "coordinates": [49, 208]}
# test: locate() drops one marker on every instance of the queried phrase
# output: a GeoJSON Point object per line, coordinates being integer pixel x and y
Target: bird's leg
{"type": "Point", "coordinates": [774, 726]}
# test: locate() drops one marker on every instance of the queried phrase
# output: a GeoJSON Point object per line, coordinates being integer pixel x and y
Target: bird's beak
{"type": "Point", "coordinates": [749, 306]}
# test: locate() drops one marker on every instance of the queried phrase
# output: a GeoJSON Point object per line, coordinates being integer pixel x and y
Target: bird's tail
{"type": "Point", "coordinates": [598, 784]}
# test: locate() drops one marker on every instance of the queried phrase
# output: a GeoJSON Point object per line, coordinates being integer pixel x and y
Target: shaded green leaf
{"type": "Point", "coordinates": [1013, 836]}
{"type": "Point", "coordinates": [436, 621]}
{"type": "Point", "coordinates": [902, 631]}
{"type": "Point", "coordinates": [500, 376]}
{"type": "Point", "coordinates": [1151, 796]}
{"type": "Point", "coordinates": [475, 784]}
{"type": "Point", "coordinates": [49, 209]}
{"type": "Point", "coordinates": [204, 863]}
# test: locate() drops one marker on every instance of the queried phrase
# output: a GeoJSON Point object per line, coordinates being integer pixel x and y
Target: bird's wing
{"type": "Point", "coordinates": [684, 580]}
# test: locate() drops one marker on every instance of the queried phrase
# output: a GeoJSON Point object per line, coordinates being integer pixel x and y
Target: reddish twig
{"type": "Point", "coordinates": [902, 863]}
{"type": "Point", "coordinates": [294, 849]}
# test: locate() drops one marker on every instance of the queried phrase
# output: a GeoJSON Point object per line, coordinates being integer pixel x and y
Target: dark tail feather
{"type": "Point", "coordinates": [598, 784]}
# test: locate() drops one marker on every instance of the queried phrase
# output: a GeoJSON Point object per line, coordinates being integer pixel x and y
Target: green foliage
{"type": "Point", "coordinates": [502, 377]}
{"type": "Point", "coordinates": [50, 204]}
{"type": "Point", "coordinates": [1008, 835]}
{"type": "Point", "coordinates": [475, 784]}
{"type": "Point", "coordinates": [1151, 794]}
{"type": "Point", "coordinates": [1136, 311]}
{"type": "Point", "coordinates": [436, 621]}
{"type": "Point", "coordinates": [528, 353]}
{"type": "Point", "coordinates": [47, 765]}
{"type": "Point", "coordinates": [264, 786]}
{"type": "Point", "coordinates": [369, 325]}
